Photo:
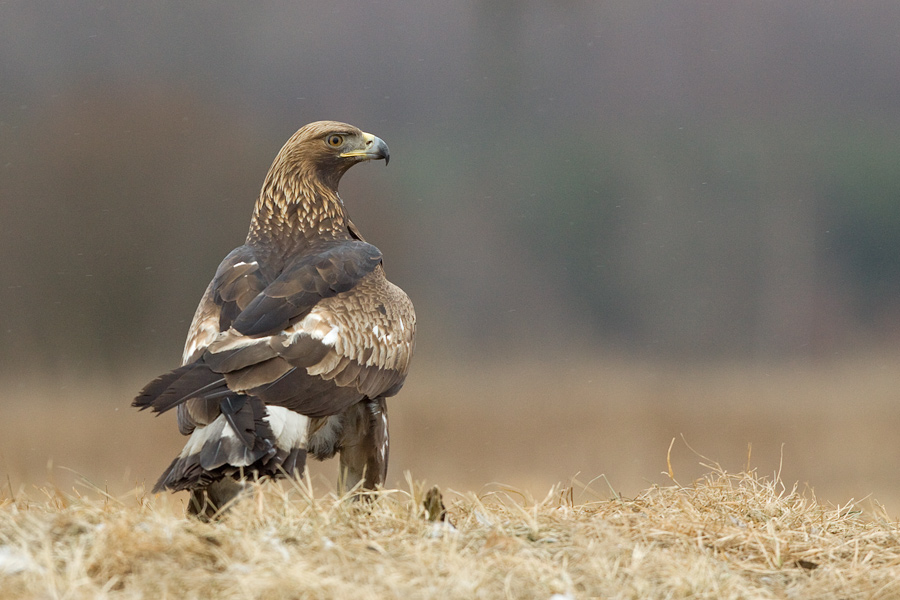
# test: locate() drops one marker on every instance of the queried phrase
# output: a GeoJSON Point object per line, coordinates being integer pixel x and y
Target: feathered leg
{"type": "Point", "coordinates": [364, 446]}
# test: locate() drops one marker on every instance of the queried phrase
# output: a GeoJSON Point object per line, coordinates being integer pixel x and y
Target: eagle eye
{"type": "Point", "coordinates": [334, 140]}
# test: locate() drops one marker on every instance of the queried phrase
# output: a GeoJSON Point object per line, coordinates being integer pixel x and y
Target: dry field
{"type": "Point", "coordinates": [799, 497]}
{"type": "Point", "coordinates": [723, 537]}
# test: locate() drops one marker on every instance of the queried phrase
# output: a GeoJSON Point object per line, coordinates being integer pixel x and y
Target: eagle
{"type": "Point", "coordinates": [297, 342]}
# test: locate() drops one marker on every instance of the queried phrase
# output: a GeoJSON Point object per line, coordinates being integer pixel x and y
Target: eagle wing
{"type": "Point", "coordinates": [333, 269]}
{"type": "Point", "coordinates": [327, 332]}
{"type": "Point", "coordinates": [237, 282]}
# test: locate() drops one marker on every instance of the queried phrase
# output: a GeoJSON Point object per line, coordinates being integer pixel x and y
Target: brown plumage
{"type": "Point", "coordinates": [297, 341]}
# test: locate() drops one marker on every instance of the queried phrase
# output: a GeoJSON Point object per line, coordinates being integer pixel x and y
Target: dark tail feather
{"type": "Point", "coordinates": [251, 452]}
{"type": "Point", "coordinates": [163, 482]}
{"type": "Point", "coordinates": [169, 390]}
{"type": "Point", "coordinates": [239, 415]}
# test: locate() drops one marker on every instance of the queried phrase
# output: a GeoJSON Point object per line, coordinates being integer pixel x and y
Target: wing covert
{"type": "Point", "coordinates": [334, 269]}
{"type": "Point", "coordinates": [237, 282]}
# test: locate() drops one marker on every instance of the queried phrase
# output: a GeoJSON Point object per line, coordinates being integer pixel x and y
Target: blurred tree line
{"type": "Point", "coordinates": [679, 179]}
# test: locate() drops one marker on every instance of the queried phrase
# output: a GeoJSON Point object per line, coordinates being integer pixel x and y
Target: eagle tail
{"type": "Point", "coordinates": [248, 439]}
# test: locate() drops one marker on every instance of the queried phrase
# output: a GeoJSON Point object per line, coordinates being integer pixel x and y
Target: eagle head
{"type": "Point", "coordinates": [327, 149]}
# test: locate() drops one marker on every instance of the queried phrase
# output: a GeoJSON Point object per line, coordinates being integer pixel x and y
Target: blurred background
{"type": "Point", "coordinates": [622, 223]}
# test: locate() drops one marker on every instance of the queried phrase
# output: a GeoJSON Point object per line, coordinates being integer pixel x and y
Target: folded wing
{"type": "Point", "coordinates": [327, 332]}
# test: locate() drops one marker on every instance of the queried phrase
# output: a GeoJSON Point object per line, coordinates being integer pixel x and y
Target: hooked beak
{"type": "Point", "coordinates": [372, 148]}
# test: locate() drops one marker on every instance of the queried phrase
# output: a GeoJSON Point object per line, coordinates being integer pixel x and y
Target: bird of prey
{"type": "Point", "coordinates": [297, 341]}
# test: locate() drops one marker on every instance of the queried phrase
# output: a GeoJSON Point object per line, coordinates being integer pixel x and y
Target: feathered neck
{"type": "Point", "coordinates": [296, 208]}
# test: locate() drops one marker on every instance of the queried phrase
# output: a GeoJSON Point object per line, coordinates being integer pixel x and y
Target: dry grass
{"type": "Point", "coordinates": [529, 423]}
{"type": "Point", "coordinates": [724, 536]}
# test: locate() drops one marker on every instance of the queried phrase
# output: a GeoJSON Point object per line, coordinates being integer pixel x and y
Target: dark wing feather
{"type": "Point", "coordinates": [169, 390]}
{"type": "Point", "coordinates": [237, 282]}
{"type": "Point", "coordinates": [334, 269]}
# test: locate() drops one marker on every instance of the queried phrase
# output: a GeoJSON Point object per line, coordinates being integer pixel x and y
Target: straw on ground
{"type": "Point", "coordinates": [724, 536]}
